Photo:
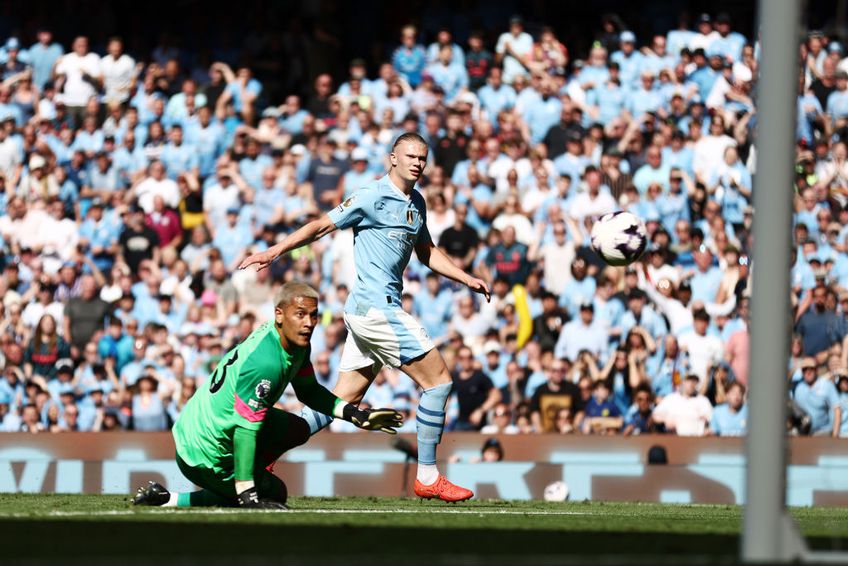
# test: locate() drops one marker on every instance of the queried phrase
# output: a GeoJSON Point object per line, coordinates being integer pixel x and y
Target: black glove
{"type": "Point", "coordinates": [387, 420]}
{"type": "Point", "coordinates": [249, 499]}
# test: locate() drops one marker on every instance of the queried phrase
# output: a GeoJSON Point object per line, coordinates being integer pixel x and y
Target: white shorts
{"type": "Point", "coordinates": [382, 338]}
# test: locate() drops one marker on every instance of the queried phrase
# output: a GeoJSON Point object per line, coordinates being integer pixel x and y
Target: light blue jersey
{"type": "Point", "coordinates": [386, 226]}
{"type": "Point", "coordinates": [725, 422]}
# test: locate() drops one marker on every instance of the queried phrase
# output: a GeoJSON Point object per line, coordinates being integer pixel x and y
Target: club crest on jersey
{"type": "Point", "coordinates": [348, 202]}
{"type": "Point", "coordinates": [410, 218]}
{"type": "Point", "coordinates": [263, 389]}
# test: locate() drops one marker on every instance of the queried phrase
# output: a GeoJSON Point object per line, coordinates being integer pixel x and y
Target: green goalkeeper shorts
{"type": "Point", "coordinates": [274, 439]}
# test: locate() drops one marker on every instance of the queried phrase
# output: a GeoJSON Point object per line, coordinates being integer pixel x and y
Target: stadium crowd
{"type": "Point", "coordinates": [131, 189]}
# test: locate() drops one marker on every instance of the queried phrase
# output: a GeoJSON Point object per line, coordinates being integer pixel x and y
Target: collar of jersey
{"type": "Point", "coordinates": [400, 192]}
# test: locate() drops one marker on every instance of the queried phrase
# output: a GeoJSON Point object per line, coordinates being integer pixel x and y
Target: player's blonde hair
{"type": "Point", "coordinates": [292, 290]}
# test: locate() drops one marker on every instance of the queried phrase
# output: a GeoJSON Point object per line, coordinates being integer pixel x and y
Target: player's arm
{"type": "Point", "coordinates": [438, 261]}
{"type": "Point", "coordinates": [319, 398]}
{"type": "Point", "coordinates": [303, 236]}
{"type": "Point", "coordinates": [251, 404]}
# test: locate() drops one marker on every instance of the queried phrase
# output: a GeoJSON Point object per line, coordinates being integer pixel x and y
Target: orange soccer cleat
{"type": "Point", "coordinates": [442, 489]}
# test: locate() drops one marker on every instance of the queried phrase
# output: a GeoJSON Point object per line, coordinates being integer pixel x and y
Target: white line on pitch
{"type": "Point", "coordinates": [189, 511]}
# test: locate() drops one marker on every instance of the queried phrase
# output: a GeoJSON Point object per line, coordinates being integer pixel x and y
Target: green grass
{"type": "Point", "coordinates": [105, 529]}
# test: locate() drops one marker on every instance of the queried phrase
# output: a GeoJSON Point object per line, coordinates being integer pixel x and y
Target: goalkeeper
{"type": "Point", "coordinates": [229, 434]}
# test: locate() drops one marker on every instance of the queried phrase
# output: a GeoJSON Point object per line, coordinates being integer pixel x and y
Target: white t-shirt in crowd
{"type": "Point", "coordinates": [688, 416]}
{"type": "Point", "coordinates": [77, 91]}
{"type": "Point", "coordinates": [148, 189]}
{"type": "Point", "coordinates": [117, 77]}
{"type": "Point", "coordinates": [703, 352]}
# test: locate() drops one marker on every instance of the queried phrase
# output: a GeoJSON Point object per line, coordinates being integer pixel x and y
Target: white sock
{"type": "Point", "coordinates": [427, 473]}
{"type": "Point", "coordinates": [172, 502]}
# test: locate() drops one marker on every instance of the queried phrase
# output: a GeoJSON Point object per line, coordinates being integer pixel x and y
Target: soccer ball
{"type": "Point", "coordinates": [619, 238]}
{"type": "Point", "coordinates": [557, 491]}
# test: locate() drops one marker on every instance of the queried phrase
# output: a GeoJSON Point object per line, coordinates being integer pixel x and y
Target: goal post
{"type": "Point", "coordinates": [769, 533]}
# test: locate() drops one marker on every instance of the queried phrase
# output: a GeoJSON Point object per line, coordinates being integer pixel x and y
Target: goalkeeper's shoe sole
{"type": "Point", "coordinates": [153, 494]}
{"type": "Point", "coordinates": [442, 489]}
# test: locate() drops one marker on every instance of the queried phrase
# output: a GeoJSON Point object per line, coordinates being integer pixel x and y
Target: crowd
{"type": "Point", "coordinates": [131, 189]}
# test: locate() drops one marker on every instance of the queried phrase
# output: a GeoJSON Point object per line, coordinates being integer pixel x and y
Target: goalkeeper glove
{"type": "Point", "coordinates": [249, 499]}
{"type": "Point", "coordinates": [387, 420]}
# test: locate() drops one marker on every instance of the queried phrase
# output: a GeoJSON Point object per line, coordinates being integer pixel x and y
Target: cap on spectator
{"type": "Point", "coordinates": [627, 36]}
{"type": "Point", "coordinates": [807, 363]}
{"type": "Point", "coordinates": [96, 202]}
{"type": "Point", "coordinates": [12, 43]}
{"type": "Point", "coordinates": [271, 112]}
{"type": "Point", "coordinates": [742, 73]}
{"type": "Point", "coordinates": [36, 162]}
{"type": "Point", "coordinates": [614, 152]}
{"type": "Point", "coordinates": [574, 137]}
{"type": "Point", "coordinates": [842, 74]}
{"type": "Point", "coordinates": [704, 19]}
{"type": "Point", "coordinates": [835, 47]}
{"type": "Point", "coordinates": [298, 149]}
{"type": "Point", "coordinates": [359, 154]}
{"type": "Point", "coordinates": [64, 366]}
{"type": "Point", "coordinates": [66, 389]}
{"type": "Point", "coordinates": [37, 381]}
{"type": "Point", "coordinates": [723, 18]}
{"type": "Point", "coordinates": [578, 64]}
{"type": "Point", "coordinates": [491, 347]}
{"type": "Point", "coordinates": [69, 265]}
{"type": "Point", "coordinates": [516, 20]}
{"type": "Point", "coordinates": [233, 210]}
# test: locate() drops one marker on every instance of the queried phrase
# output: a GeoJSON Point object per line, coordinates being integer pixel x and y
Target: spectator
{"type": "Point", "coordinates": [639, 417]}
{"type": "Point", "coordinates": [513, 48]}
{"type": "Point", "coordinates": [731, 418]}
{"type": "Point", "coordinates": [45, 349]}
{"type": "Point", "coordinates": [685, 412]}
{"type": "Point", "coordinates": [819, 399]}
{"type": "Point", "coordinates": [601, 414]}
{"type": "Point", "coordinates": [79, 77]}
{"type": "Point", "coordinates": [474, 391]}
{"type": "Point", "coordinates": [555, 394]}
{"type": "Point", "coordinates": [84, 315]}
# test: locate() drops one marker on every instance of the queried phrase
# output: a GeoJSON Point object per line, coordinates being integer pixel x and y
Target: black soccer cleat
{"type": "Point", "coordinates": [153, 494]}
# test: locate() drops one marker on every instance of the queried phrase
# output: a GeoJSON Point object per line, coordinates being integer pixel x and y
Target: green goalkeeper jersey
{"type": "Point", "coordinates": [244, 386]}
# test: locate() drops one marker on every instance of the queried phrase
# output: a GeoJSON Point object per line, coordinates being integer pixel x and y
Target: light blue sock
{"type": "Point", "coordinates": [315, 420]}
{"type": "Point", "coordinates": [431, 421]}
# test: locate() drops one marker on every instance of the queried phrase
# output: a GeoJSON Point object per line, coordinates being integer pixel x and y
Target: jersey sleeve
{"type": "Point", "coordinates": [312, 393]}
{"type": "Point", "coordinates": [353, 210]}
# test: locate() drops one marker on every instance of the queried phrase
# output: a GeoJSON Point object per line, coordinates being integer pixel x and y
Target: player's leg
{"type": "Point", "coordinates": [217, 490]}
{"type": "Point", "coordinates": [422, 362]}
{"type": "Point", "coordinates": [280, 432]}
{"type": "Point", "coordinates": [356, 372]}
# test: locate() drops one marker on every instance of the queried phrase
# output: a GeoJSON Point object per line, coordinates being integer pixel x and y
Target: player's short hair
{"type": "Point", "coordinates": [409, 137]}
{"type": "Point", "coordinates": [292, 290]}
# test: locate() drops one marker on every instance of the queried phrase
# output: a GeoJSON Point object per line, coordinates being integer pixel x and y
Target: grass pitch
{"type": "Point", "coordinates": [101, 529]}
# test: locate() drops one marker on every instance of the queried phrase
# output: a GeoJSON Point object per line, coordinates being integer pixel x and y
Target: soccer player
{"type": "Point", "coordinates": [229, 434]}
{"type": "Point", "coordinates": [388, 217]}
